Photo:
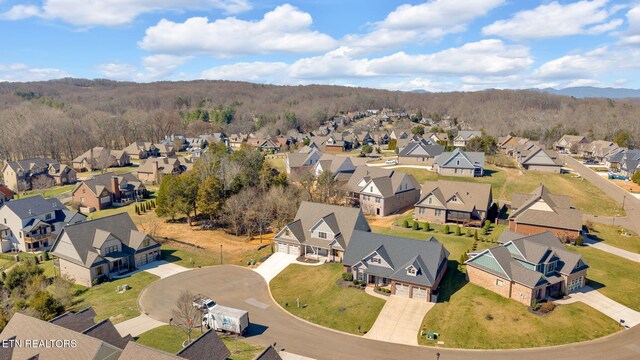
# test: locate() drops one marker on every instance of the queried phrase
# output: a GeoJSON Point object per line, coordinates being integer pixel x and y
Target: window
{"type": "Point", "coordinates": [550, 267]}
{"type": "Point", "coordinates": [110, 249]}
{"type": "Point", "coordinates": [375, 260]}
{"type": "Point", "coordinates": [287, 232]}
{"type": "Point", "coordinates": [411, 271]}
{"type": "Point", "coordinates": [438, 212]}
{"type": "Point", "coordinates": [430, 201]}
{"type": "Point", "coordinates": [47, 217]}
{"type": "Point", "coordinates": [145, 243]}
{"type": "Point", "coordinates": [499, 282]}
{"type": "Point", "coordinates": [457, 162]}
{"type": "Point", "coordinates": [322, 235]}
{"type": "Point", "coordinates": [378, 200]}
{"type": "Point", "coordinates": [420, 211]}
{"type": "Point", "coordinates": [99, 271]}
{"type": "Point", "coordinates": [371, 188]}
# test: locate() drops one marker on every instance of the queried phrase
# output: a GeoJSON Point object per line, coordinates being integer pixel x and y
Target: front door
{"type": "Point", "coordinates": [377, 211]}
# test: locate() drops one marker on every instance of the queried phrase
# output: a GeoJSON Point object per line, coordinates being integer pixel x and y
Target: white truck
{"type": "Point", "coordinates": [203, 303]}
{"type": "Point", "coordinates": [226, 319]}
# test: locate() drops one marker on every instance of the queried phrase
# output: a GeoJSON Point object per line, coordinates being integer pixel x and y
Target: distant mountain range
{"type": "Point", "coordinates": [593, 92]}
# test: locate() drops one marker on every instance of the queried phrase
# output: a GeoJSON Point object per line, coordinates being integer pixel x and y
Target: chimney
{"type": "Point", "coordinates": [156, 168]}
{"type": "Point", "coordinates": [91, 154]}
{"type": "Point", "coordinates": [115, 188]}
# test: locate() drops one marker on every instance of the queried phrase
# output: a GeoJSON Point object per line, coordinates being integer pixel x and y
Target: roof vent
{"type": "Point", "coordinates": [29, 211]}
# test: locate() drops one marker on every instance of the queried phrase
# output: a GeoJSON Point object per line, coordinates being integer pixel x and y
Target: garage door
{"type": "Point", "coordinates": [141, 260]}
{"type": "Point", "coordinates": [294, 250]}
{"type": "Point", "coordinates": [282, 248]}
{"type": "Point", "coordinates": [420, 293]}
{"type": "Point", "coordinates": [402, 290]}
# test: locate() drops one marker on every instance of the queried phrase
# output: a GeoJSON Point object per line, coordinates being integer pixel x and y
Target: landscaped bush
{"type": "Point", "coordinates": [415, 225]}
{"type": "Point", "coordinates": [547, 307]}
{"type": "Point", "coordinates": [446, 229]}
{"type": "Point", "coordinates": [426, 226]}
{"type": "Point", "coordinates": [458, 232]}
{"type": "Point", "coordinates": [347, 276]}
{"type": "Point", "coordinates": [475, 235]}
{"type": "Point", "coordinates": [579, 241]}
{"type": "Point", "coordinates": [46, 256]}
{"type": "Point", "coordinates": [405, 223]}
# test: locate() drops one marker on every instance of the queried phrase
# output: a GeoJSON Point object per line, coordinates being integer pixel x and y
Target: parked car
{"type": "Point", "coordinates": [614, 176]}
{"type": "Point", "coordinates": [591, 162]}
{"type": "Point", "coordinates": [226, 319]}
{"type": "Point", "coordinates": [391, 162]}
{"type": "Point", "coordinates": [203, 303]}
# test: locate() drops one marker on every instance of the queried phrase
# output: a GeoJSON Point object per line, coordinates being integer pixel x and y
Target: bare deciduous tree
{"type": "Point", "coordinates": [42, 181]}
{"type": "Point", "coordinates": [185, 315]}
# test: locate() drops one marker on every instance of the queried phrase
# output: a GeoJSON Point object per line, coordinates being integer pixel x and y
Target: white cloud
{"type": "Point", "coordinates": [631, 36]}
{"type": "Point", "coordinates": [556, 20]}
{"type": "Point", "coordinates": [263, 72]}
{"type": "Point", "coordinates": [576, 66]}
{"type": "Point", "coordinates": [285, 30]}
{"type": "Point", "coordinates": [161, 65]}
{"type": "Point", "coordinates": [117, 71]}
{"type": "Point", "coordinates": [429, 21]}
{"type": "Point", "coordinates": [419, 83]}
{"type": "Point", "coordinates": [116, 12]}
{"type": "Point", "coordinates": [23, 72]}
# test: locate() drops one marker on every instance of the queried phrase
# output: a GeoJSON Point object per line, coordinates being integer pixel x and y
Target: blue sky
{"type": "Point", "coordinates": [437, 45]}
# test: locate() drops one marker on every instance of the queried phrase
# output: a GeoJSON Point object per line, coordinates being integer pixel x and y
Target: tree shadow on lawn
{"type": "Point", "coordinates": [452, 281]}
{"type": "Point", "coordinates": [489, 173]}
{"type": "Point", "coordinates": [167, 255]}
{"type": "Point", "coordinates": [595, 284]}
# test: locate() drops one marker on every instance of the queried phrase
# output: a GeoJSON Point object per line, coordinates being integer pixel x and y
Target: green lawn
{"type": "Point", "coordinates": [191, 259]}
{"type": "Point", "coordinates": [115, 170]}
{"type": "Point", "coordinates": [108, 303]}
{"type": "Point", "coordinates": [612, 275]}
{"type": "Point", "coordinates": [471, 317]}
{"type": "Point", "coordinates": [506, 182]}
{"type": "Point", "coordinates": [169, 339]}
{"type": "Point", "coordinates": [457, 245]}
{"type": "Point", "coordinates": [321, 299]}
{"type": "Point", "coordinates": [48, 193]}
{"type": "Point", "coordinates": [131, 208]}
{"type": "Point", "coordinates": [610, 235]}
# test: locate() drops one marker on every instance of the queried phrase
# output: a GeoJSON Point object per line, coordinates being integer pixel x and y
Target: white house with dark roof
{"type": "Point", "coordinates": [460, 163]}
{"type": "Point", "coordinates": [340, 166]}
{"type": "Point", "coordinates": [320, 231]}
{"type": "Point", "coordinates": [411, 268]}
{"type": "Point", "coordinates": [101, 248]}
{"type": "Point", "coordinates": [528, 268]}
{"type": "Point", "coordinates": [32, 224]}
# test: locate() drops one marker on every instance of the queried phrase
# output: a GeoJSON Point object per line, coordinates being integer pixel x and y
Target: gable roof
{"type": "Point", "coordinates": [28, 164]}
{"type": "Point", "coordinates": [390, 185]}
{"type": "Point", "coordinates": [136, 351]}
{"type": "Point", "coordinates": [472, 195]}
{"type": "Point", "coordinates": [561, 215]}
{"type": "Point", "coordinates": [336, 163]}
{"type": "Point", "coordinates": [98, 183]}
{"type": "Point", "coordinates": [470, 160]}
{"type": "Point", "coordinates": [539, 156]}
{"type": "Point", "coordinates": [367, 173]}
{"type": "Point", "coordinates": [269, 353]}
{"type": "Point", "coordinates": [427, 254]}
{"type": "Point", "coordinates": [34, 206]}
{"type": "Point", "coordinates": [421, 148]}
{"type": "Point", "coordinates": [206, 346]}
{"type": "Point", "coordinates": [467, 135]}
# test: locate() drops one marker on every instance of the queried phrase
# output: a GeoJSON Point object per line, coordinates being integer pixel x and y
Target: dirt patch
{"type": "Point", "coordinates": [385, 221]}
{"type": "Point", "coordinates": [628, 185]}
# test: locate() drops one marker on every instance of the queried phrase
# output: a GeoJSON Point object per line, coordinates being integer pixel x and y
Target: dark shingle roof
{"type": "Point", "coordinates": [207, 346]}
{"type": "Point", "coordinates": [76, 321]}
{"type": "Point", "coordinates": [561, 215]}
{"type": "Point", "coordinates": [269, 353]}
{"type": "Point", "coordinates": [470, 195]}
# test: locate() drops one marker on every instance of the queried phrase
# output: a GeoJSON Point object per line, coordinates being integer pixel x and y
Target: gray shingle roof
{"type": "Point", "coordinates": [365, 172]}
{"type": "Point", "coordinates": [422, 148]}
{"type": "Point", "coordinates": [28, 164]}
{"type": "Point", "coordinates": [470, 160]}
{"type": "Point", "coordinates": [428, 254]}
{"type": "Point", "coordinates": [206, 346]}
{"type": "Point", "coordinates": [269, 353]}
{"type": "Point", "coordinates": [136, 351]}
{"type": "Point", "coordinates": [562, 215]}
{"type": "Point", "coordinates": [472, 195]}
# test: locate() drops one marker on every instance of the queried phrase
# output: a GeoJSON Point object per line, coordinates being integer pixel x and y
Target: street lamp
{"type": "Point", "coordinates": [220, 254]}
{"type": "Point", "coordinates": [623, 199]}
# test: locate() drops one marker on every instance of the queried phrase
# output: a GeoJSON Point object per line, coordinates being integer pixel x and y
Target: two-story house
{"type": "Point", "coordinates": [102, 191]}
{"type": "Point", "coordinates": [153, 170]}
{"type": "Point", "coordinates": [385, 195]}
{"type": "Point", "coordinates": [303, 160]}
{"type": "Point", "coordinates": [340, 166]}
{"type": "Point", "coordinates": [446, 201]}
{"type": "Point", "coordinates": [320, 231]}
{"type": "Point", "coordinates": [460, 163]}
{"type": "Point", "coordinates": [19, 174]}
{"type": "Point", "coordinates": [411, 268]}
{"type": "Point", "coordinates": [464, 136]}
{"type": "Point", "coordinates": [98, 157]}
{"type": "Point", "coordinates": [528, 268]}
{"type": "Point", "coordinates": [31, 224]}
{"type": "Point", "coordinates": [139, 150]}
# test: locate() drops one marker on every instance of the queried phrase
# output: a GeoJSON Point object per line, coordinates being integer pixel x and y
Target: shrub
{"type": "Point", "coordinates": [579, 241]}
{"type": "Point", "coordinates": [426, 226]}
{"type": "Point", "coordinates": [405, 223]}
{"type": "Point", "coordinates": [355, 281]}
{"type": "Point", "coordinates": [589, 225]}
{"type": "Point", "coordinates": [547, 307]}
{"type": "Point", "coordinates": [347, 276]}
{"type": "Point", "coordinates": [458, 233]}
{"type": "Point", "coordinates": [475, 235]}
{"type": "Point", "coordinates": [446, 229]}
{"type": "Point", "coordinates": [485, 231]}
{"type": "Point", "coordinates": [46, 256]}
{"type": "Point", "coordinates": [487, 223]}
{"type": "Point", "coordinates": [415, 225]}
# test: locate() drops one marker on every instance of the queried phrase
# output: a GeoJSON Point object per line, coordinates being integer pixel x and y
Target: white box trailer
{"type": "Point", "coordinates": [222, 318]}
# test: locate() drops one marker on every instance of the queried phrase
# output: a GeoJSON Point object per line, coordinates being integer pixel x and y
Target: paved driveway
{"type": "Point", "coordinates": [245, 289]}
{"type": "Point", "coordinates": [274, 265]}
{"type": "Point", "coordinates": [611, 308]}
{"type": "Point", "coordinates": [162, 268]}
{"type": "Point", "coordinates": [400, 320]}
{"type": "Point", "coordinates": [138, 325]}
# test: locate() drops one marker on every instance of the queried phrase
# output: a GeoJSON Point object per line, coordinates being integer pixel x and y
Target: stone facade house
{"type": "Point", "coordinates": [102, 191]}
{"type": "Point", "coordinates": [411, 268]}
{"type": "Point", "coordinates": [528, 268]}
{"type": "Point", "coordinates": [446, 201]}
{"type": "Point", "coordinates": [460, 163]}
{"type": "Point", "coordinates": [97, 157]}
{"type": "Point", "coordinates": [320, 231]}
{"type": "Point", "coordinates": [99, 249]}
{"type": "Point", "coordinates": [32, 224]}
{"type": "Point", "coordinates": [464, 136]}
{"type": "Point", "coordinates": [19, 174]}
{"type": "Point", "coordinates": [388, 194]}
{"type": "Point", "coordinates": [542, 211]}
{"type": "Point", "coordinates": [153, 170]}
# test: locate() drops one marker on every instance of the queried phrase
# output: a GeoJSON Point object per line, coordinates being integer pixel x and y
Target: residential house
{"type": "Point", "coordinates": [139, 150]}
{"type": "Point", "coordinates": [359, 179]}
{"type": "Point", "coordinates": [83, 322]}
{"type": "Point", "coordinates": [6, 194]}
{"type": "Point", "coordinates": [528, 268]}
{"type": "Point", "coordinates": [401, 133]}
{"type": "Point", "coordinates": [630, 162]}
{"type": "Point", "coordinates": [269, 353]}
{"type": "Point", "coordinates": [421, 152]}
{"type": "Point", "coordinates": [542, 211]}
{"type": "Point", "coordinates": [302, 161]}
{"type": "Point", "coordinates": [214, 138]}
{"type": "Point", "coordinates": [463, 137]}
{"type": "Point", "coordinates": [505, 141]}
{"type": "Point", "coordinates": [198, 142]}
{"type": "Point", "coordinates": [177, 141]}
{"type": "Point", "coordinates": [380, 137]}
{"type": "Point", "coordinates": [340, 166]}
{"type": "Point", "coordinates": [103, 191]}
{"type": "Point", "coordinates": [320, 231]}
{"type": "Point", "coordinates": [268, 144]}
{"type": "Point", "coordinates": [335, 143]}
{"type": "Point", "coordinates": [411, 268]}
{"type": "Point", "coordinates": [460, 163]}
{"type": "Point", "coordinates": [165, 150]}
{"type": "Point", "coordinates": [153, 170]}
{"type": "Point", "coordinates": [31, 224]}
{"type": "Point", "coordinates": [207, 346]}
{"type": "Point", "coordinates": [522, 147]}
{"type": "Point", "coordinates": [539, 159]}
{"type": "Point", "coordinates": [569, 144]}
{"type": "Point", "coordinates": [94, 250]}
{"type": "Point", "coordinates": [62, 174]}
{"type": "Point", "coordinates": [236, 140]}
{"type": "Point", "coordinates": [439, 138]}
{"type": "Point", "coordinates": [99, 157]}
{"type": "Point", "coordinates": [385, 195]}
{"type": "Point", "coordinates": [18, 174]}
{"type": "Point", "coordinates": [445, 201]}
{"type": "Point", "coordinates": [599, 149]}
{"type": "Point", "coordinates": [614, 160]}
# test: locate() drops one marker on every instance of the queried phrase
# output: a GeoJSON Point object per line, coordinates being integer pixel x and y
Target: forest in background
{"type": "Point", "coordinates": [63, 118]}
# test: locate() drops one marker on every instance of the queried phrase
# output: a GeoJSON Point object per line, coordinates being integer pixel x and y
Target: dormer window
{"type": "Point", "coordinates": [287, 232]}
{"type": "Point", "coordinates": [375, 260]}
{"type": "Point", "coordinates": [322, 235]}
{"type": "Point", "coordinates": [430, 201]}
{"type": "Point", "coordinates": [47, 217]}
{"type": "Point", "coordinates": [145, 243]}
{"type": "Point", "coordinates": [110, 249]}
{"type": "Point", "coordinates": [412, 271]}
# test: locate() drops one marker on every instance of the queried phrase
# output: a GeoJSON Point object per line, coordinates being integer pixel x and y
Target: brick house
{"type": "Point", "coordinates": [446, 201]}
{"type": "Point", "coordinates": [102, 191]}
{"type": "Point", "coordinates": [542, 211]}
{"type": "Point", "coordinates": [139, 150]}
{"type": "Point", "coordinates": [19, 174]}
{"type": "Point", "coordinates": [528, 268]}
{"type": "Point", "coordinates": [411, 268]}
{"type": "Point", "coordinates": [6, 194]}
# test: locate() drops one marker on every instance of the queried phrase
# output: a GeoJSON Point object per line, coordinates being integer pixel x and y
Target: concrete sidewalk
{"type": "Point", "coordinates": [138, 325]}
{"type": "Point", "coordinates": [400, 320]}
{"type": "Point", "coordinates": [162, 268]}
{"type": "Point", "coordinates": [609, 307]}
